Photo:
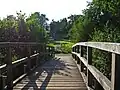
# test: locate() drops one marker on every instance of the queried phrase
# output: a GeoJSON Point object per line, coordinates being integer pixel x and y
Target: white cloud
{"type": "Point", "coordinates": [54, 9]}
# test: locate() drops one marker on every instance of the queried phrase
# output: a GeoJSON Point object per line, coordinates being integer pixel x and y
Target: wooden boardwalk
{"type": "Point", "coordinates": [58, 74]}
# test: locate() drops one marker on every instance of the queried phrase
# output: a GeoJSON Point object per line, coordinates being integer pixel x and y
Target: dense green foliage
{"type": "Point", "coordinates": [22, 29]}
{"type": "Point", "coordinates": [62, 46]}
{"type": "Point", "coordinates": [59, 29]}
{"type": "Point", "coordinates": [66, 47]}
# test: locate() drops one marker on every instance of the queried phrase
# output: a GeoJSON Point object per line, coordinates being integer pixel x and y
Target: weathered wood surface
{"type": "Point", "coordinates": [104, 81]}
{"type": "Point", "coordinates": [106, 46]}
{"type": "Point", "coordinates": [60, 73]}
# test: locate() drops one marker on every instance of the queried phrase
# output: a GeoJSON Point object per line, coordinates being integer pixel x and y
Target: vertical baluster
{"type": "Point", "coordinates": [4, 82]}
{"type": "Point", "coordinates": [78, 51]}
{"type": "Point", "coordinates": [9, 69]}
{"type": "Point", "coordinates": [81, 54]}
{"type": "Point", "coordinates": [44, 51]}
{"type": "Point", "coordinates": [53, 51]}
{"type": "Point", "coordinates": [89, 60]}
{"type": "Point", "coordinates": [49, 51]}
{"type": "Point", "coordinates": [29, 59]}
{"type": "Point", "coordinates": [72, 51]}
{"type": "Point", "coordinates": [115, 77]}
{"type": "Point", "coordinates": [37, 58]}
{"type": "Point", "coordinates": [25, 66]}
{"type": "Point", "coordinates": [0, 80]}
{"type": "Point", "coordinates": [40, 53]}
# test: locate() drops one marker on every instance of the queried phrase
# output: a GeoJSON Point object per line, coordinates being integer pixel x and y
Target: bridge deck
{"type": "Point", "coordinates": [58, 74]}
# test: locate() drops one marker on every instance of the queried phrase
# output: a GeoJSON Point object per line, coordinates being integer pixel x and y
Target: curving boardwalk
{"type": "Point", "coordinates": [58, 74]}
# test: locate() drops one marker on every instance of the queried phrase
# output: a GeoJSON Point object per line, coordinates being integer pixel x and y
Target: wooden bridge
{"type": "Point", "coordinates": [41, 69]}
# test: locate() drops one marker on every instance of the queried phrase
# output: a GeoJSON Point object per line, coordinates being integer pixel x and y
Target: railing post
{"type": "Point", "coordinates": [40, 53]}
{"type": "Point", "coordinates": [9, 69]}
{"type": "Point", "coordinates": [81, 54]}
{"type": "Point", "coordinates": [29, 59]}
{"type": "Point", "coordinates": [49, 51]}
{"type": "Point", "coordinates": [53, 52]}
{"type": "Point", "coordinates": [78, 51]}
{"type": "Point", "coordinates": [44, 52]}
{"type": "Point", "coordinates": [72, 51]}
{"type": "Point", "coordinates": [3, 82]}
{"type": "Point", "coordinates": [37, 58]}
{"type": "Point", "coordinates": [25, 68]}
{"type": "Point", "coordinates": [75, 51]}
{"type": "Point", "coordinates": [89, 60]}
{"type": "Point", "coordinates": [115, 77]}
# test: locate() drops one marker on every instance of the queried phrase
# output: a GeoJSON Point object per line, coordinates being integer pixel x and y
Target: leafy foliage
{"type": "Point", "coordinates": [59, 29]}
{"type": "Point", "coordinates": [22, 29]}
{"type": "Point", "coordinates": [100, 22]}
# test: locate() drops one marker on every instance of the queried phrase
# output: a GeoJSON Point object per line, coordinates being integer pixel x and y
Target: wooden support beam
{"type": "Point", "coordinates": [78, 51]}
{"type": "Point", "coordinates": [29, 60]}
{"type": "Point", "coordinates": [81, 54]}
{"type": "Point", "coordinates": [37, 58]}
{"type": "Point", "coordinates": [89, 60]}
{"type": "Point", "coordinates": [115, 77]}
{"type": "Point", "coordinates": [44, 51]}
{"type": "Point", "coordinates": [9, 69]}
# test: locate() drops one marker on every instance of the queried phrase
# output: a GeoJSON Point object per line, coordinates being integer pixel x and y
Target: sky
{"type": "Point", "coordinates": [54, 9]}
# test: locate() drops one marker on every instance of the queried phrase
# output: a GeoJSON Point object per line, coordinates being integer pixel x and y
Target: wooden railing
{"type": "Point", "coordinates": [12, 72]}
{"type": "Point", "coordinates": [103, 83]}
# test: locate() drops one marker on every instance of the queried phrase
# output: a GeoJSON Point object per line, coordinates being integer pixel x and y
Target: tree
{"type": "Point", "coordinates": [37, 25]}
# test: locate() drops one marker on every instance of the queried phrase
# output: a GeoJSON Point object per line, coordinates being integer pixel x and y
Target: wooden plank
{"type": "Point", "coordinates": [53, 88]}
{"type": "Point", "coordinates": [59, 73]}
{"type": "Point", "coordinates": [53, 84]}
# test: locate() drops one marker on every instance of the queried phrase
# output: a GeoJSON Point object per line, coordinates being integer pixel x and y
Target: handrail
{"type": "Point", "coordinates": [6, 44]}
{"type": "Point", "coordinates": [104, 82]}
{"type": "Point", "coordinates": [24, 43]}
{"type": "Point", "coordinates": [24, 65]}
{"type": "Point", "coordinates": [106, 46]}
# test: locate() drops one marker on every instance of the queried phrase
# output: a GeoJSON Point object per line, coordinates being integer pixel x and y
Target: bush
{"type": "Point", "coordinates": [66, 47]}
{"type": "Point", "coordinates": [62, 46]}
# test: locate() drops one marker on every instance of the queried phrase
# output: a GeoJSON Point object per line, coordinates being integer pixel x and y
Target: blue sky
{"type": "Point", "coordinates": [54, 9]}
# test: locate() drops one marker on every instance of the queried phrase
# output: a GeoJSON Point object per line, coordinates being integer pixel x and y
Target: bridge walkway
{"type": "Point", "coordinates": [61, 73]}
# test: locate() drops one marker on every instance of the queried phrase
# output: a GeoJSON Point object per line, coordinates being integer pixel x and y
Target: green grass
{"type": "Point", "coordinates": [62, 46]}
